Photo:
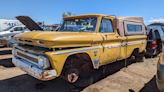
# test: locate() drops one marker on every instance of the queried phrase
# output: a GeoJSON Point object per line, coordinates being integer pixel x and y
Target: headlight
{"type": "Point", "coordinates": [43, 62]}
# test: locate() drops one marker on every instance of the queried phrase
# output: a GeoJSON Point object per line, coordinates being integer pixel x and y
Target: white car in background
{"type": "Point", "coordinates": [6, 36]}
{"type": "Point", "coordinates": [6, 23]}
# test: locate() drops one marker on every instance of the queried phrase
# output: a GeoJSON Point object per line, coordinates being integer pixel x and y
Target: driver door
{"type": "Point", "coordinates": [111, 44]}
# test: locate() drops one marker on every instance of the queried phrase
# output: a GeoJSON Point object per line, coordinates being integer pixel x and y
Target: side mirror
{"type": "Point", "coordinates": [12, 31]}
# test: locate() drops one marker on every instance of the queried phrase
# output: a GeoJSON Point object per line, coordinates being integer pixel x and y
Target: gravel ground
{"type": "Point", "coordinates": [136, 77]}
{"type": "Point", "coordinates": [133, 78]}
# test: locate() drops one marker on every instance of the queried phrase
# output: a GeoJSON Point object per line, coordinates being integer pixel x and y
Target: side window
{"type": "Point", "coordinates": [157, 35]}
{"type": "Point", "coordinates": [24, 28]}
{"type": "Point", "coordinates": [18, 29]}
{"type": "Point", "coordinates": [134, 28]}
{"type": "Point", "coordinates": [106, 26]}
{"type": "Point", "coordinates": [150, 35]}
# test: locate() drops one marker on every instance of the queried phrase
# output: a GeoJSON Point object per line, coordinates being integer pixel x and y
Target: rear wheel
{"type": "Point", "coordinates": [138, 57]}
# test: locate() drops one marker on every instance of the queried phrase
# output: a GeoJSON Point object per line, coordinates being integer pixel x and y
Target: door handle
{"type": "Point", "coordinates": [106, 36]}
{"type": "Point", "coordinates": [117, 36]}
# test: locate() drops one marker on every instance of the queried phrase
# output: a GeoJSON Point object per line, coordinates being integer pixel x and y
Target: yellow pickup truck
{"type": "Point", "coordinates": [82, 44]}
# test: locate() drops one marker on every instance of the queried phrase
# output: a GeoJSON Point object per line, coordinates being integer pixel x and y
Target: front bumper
{"type": "Point", "coordinates": [34, 70]}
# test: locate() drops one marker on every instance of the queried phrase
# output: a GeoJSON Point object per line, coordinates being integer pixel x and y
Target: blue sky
{"type": "Point", "coordinates": [51, 11]}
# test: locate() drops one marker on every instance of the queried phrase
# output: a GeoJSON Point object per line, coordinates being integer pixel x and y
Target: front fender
{"type": "Point", "coordinates": [58, 58]}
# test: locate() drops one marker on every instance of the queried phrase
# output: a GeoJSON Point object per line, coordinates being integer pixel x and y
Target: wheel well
{"type": "Point", "coordinates": [84, 57]}
{"type": "Point", "coordinates": [135, 51]}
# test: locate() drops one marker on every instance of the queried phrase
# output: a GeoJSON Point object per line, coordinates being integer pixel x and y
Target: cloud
{"type": "Point", "coordinates": [157, 20]}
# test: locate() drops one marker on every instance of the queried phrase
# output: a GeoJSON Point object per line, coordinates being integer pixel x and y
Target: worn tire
{"type": "Point", "coordinates": [77, 72]}
{"type": "Point", "coordinates": [139, 57]}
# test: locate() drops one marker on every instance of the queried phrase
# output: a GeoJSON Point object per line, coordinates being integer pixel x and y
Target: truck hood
{"type": "Point", "coordinates": [29, 23]}
{"type": "Point", "coordinates": [58, 39]}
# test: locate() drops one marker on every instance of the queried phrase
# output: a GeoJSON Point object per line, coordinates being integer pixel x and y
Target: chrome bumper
{"type": "Point", "coordinates": [34, 70]}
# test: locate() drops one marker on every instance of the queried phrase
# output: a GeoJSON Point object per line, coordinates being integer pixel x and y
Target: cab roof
{"type": "Point", "coordinates": [156, 24]}
{"type": "Point", "coordinates": [86, 15]}
{"type": "Point", "coordinates": [123, 18]}
{"type": "Point", "coordinates": [131, 18]}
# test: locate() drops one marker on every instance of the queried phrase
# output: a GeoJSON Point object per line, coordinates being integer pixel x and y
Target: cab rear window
{"type": "Point", "coordinates": [134, 28]}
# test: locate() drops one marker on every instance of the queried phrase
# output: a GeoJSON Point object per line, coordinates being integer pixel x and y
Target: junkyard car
{"type": "Point", "coordinates": [155, 39]}
{"type": "Point", "coordinates": [82, 44]}
{"type": "Point", "coordinates": [6, 36]}
{"type": "Point", "coordinates": [160, 73]}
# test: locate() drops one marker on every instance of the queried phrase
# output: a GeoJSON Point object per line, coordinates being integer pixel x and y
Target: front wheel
{"type": "Point", "coordinates": [77, 72]}
{"type": "Point", "coordinates": [72, 75]}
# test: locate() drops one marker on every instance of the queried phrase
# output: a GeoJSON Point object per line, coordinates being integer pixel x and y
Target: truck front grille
{"type": "Point", "coordinates": [35, 48]}
{"type": "Point", "coordinates": [29, 57]}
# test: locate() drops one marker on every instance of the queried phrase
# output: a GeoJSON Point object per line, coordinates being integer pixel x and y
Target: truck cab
{"type": "Point", "coordinates": [82, 44]}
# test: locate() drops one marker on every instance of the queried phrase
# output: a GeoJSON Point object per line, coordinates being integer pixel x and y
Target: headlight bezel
{"type": "Point", "coordinates": [43, 62]}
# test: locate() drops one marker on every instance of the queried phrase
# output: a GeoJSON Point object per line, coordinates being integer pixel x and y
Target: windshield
{"type": "Point", "coordinates": [79, 25]}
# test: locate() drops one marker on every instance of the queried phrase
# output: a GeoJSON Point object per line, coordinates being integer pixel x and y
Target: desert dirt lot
{"type": "Point", "coordinates": [136, 77]}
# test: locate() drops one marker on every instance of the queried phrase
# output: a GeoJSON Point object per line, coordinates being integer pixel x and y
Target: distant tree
{"type": "Point", "coordinates": [65, 14]}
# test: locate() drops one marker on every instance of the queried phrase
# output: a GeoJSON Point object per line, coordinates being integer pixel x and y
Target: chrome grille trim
{"type": "Point", "coordinates": [31, 51]}
{"type": "Point", "coordinates": [26, 54]}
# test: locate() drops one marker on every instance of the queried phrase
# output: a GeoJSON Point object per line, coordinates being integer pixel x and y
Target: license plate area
{"type": "Point", "coordinates": [31, 69]}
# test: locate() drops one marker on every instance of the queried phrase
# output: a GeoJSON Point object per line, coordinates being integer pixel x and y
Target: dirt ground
{"type": "Point", "coordinates": [136, 77]}
{"type": "Point", "coordinates": [132, 78]}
